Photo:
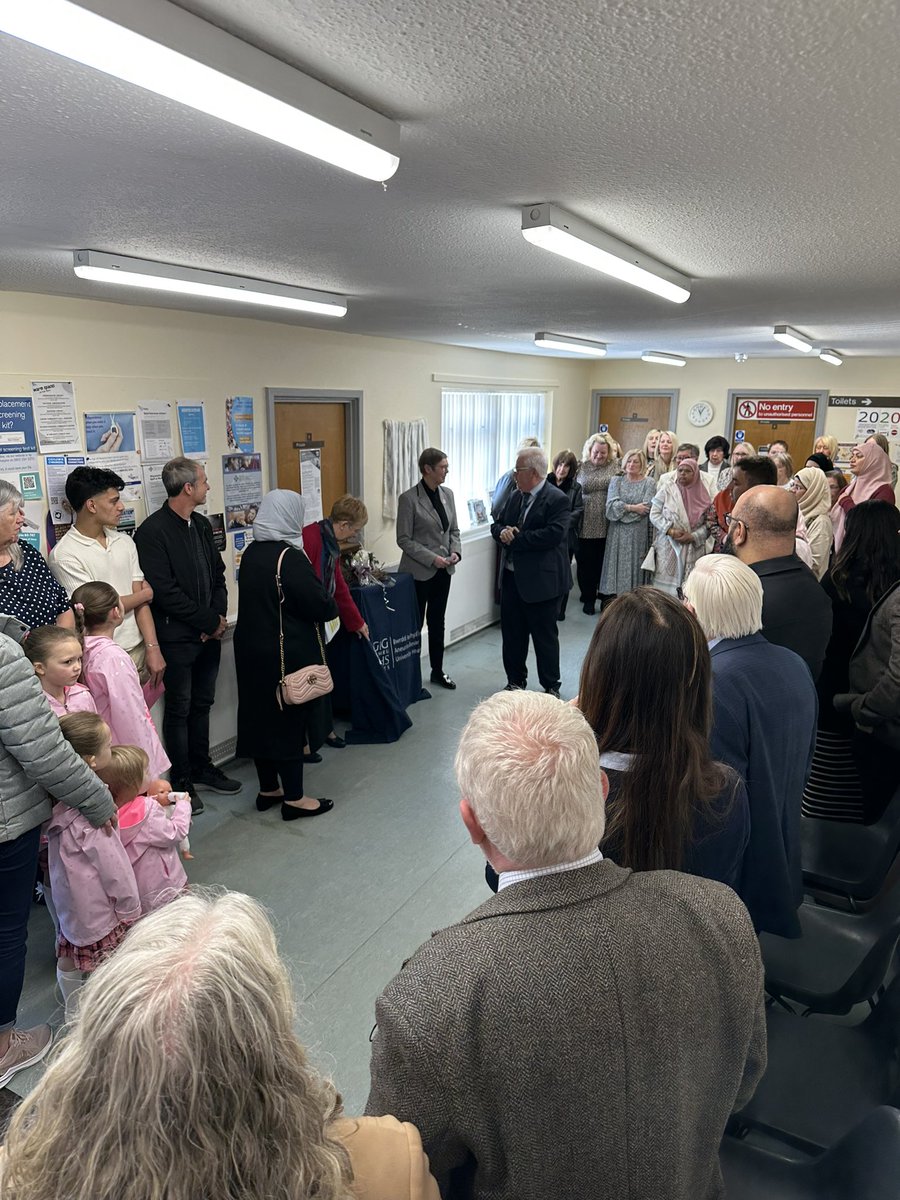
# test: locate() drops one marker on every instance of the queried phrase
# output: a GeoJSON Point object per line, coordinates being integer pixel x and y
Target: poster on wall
{"type": "Point", "coordinates": [311, 484]}
{"type": "Point", "coordinates": [127, 466]}
{"type": "Point", "coordinates": [241, 541]}
{"type": "Point", "coordinates": [243, 486]}
{"type": "Point", "coordinates": [19, 464]}
{"type": "Point", "coordinates": [155, 436]}
{"type": "Point", "coordinates": [57, 468]}
{"type": "Point", "coordinates": [217, 520]}
{"type": "Point", "coordinates": [884, 420]}
{"type": "Point", "coordinates": [239, 423]}
{"type": "Point", "coordinates": [54, 417]}
{"type": "Point", "coordinates": [109, 433]}
{"type": "Point", "coordinates": [192, 427]}
{"type": "Point", "coordinates": [154, 492]}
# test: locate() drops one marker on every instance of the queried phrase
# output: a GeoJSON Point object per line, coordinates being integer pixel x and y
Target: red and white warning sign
{"type": "Point", "coordinates": [777, 410]}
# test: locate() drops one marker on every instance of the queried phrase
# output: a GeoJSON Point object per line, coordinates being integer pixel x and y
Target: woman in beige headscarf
{"type": "Point", "coordinates": [814, 497]}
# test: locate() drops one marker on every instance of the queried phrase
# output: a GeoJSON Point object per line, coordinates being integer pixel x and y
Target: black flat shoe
{"type": "Point", "coordinates": [290, 812]}
{"type": "Point", "coordinates": [264, 803]}
{"type": "Point", "coordinates": [336, 743]}
{"type": "Point", "coordinates": [442, 679]}
{"type": "Point", "coordinates": [589, 610]}
{"type": "Point", "coordinates": [312, 758]}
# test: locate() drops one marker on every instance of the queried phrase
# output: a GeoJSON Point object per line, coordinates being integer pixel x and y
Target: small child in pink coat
{"type": "Point", "coordinates": [93, 882]}
{"type": "Point", "coordinates": [110, 674]}
{"type": "Point", "coordinates": [150, 837]}
{"type": "Point", "coordinates": [160, 790]}
{"type": "Point", "coordinates": [55, 653]}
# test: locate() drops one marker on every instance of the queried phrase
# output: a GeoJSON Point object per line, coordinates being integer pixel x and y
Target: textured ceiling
{"type": "Point", "coordinates": [752, 147]}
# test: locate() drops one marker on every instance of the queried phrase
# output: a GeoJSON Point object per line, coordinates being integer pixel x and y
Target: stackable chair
{"type": "Point", "coordinates": [823, 1078]}
{"type": "Point", "coordinates": [841, 959]}
{"type": "Point", "coordinates": [864, 1165]}
{"type": "Point", "coordinates": [848, 865]}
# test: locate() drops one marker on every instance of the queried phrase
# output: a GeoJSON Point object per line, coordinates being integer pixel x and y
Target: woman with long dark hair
{"type": "Point", "coordinates": [646, 691]}
{"type": "Point", "coordinates": [865, 567]}
{"type": "Point", "coordinates": [563, 476]}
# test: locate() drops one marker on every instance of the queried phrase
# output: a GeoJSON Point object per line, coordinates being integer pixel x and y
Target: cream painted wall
{"type": "Point", "coordinates": [120, 355]}
{"type": "Point", "coordinates": [710, 379]}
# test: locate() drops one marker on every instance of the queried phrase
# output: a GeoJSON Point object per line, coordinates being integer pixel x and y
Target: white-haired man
{"type": "Point", "coordinates": [764, 726]}
{"type": "Point", "coordinates": [532, 528]}
{"type": "Point", "coordinates": [565, 1039]}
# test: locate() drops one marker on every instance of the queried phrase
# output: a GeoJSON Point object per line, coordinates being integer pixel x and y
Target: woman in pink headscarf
{"type": "Point", "coordinates": [871, 471]}
{"type": "Point", "coordinates": [679, 516]}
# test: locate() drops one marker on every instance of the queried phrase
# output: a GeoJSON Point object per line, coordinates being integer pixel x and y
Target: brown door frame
{"type": "Point", "coordinates": [354, 417]}
{"type": "Point", "coordinates": [820, 397]}
{"type": "Point", "coordinates": [597, 395]}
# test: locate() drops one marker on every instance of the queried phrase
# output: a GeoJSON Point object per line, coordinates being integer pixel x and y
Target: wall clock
{"type": "Point", "coordinates": [701, 413]}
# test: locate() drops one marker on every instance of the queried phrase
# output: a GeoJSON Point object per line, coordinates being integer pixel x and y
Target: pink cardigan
{"type": "Point", "coordinates": [78, 699]}
{"type": "Point", "coordinates": [151, 838]}
{"type": "Point", "coordinates": [93, 884]}
{"type": "Point", "coordinates": [116, 687]}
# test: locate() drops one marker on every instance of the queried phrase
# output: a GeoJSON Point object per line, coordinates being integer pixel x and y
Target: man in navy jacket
{"type": "Point", "coordinates": [532, 528]}
{"type": "Point", "coordinates": [764, 726]}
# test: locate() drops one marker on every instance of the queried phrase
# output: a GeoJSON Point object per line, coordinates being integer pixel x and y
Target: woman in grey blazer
{"type": "Point", "coordinates": [428, 535]}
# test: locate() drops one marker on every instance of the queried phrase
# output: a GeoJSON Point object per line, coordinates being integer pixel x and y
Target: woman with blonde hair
{"type": "Point", "coordinates": [826, 444]}
{"type": "Point", "coordinates": [784, 465]}
{"type": "Point", "coordinates": [814, 497]}
{"type": "Point", "coordinates": [182, 1077]}
{"type": "Point", "coordinates": [651, 441]}
{"type": "Point", "coordinates": [628, 539]}
{"type": "Point", "coordinates": [598, 466]}
{"type": "Point", "coordinates": [664, 459]}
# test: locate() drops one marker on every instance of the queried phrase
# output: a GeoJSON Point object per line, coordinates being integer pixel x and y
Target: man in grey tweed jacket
{"type": "Point", "coordinates": [586, 1032]}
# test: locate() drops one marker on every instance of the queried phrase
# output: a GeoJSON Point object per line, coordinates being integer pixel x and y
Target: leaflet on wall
{"type": "Point", "coordinates": [109, 433]}
{"type": "Point", "coordinates": [217, 520]}
{"type": "Point", "coordinates": [128, 467]}
{"type": "Point", "coordinates": [19, 463]}
{"type": "Point", "coordinates": [311, 484]}
{"type": "Point", "coordinates": [57, 468]}
{"type": "Point", "coordinates": [155, 435]}
{"type": "Point", "coordinates": [239, 423]}
{"type": "Point", "coordinates": [880, 420]}
{"type": "Point", "coordinates": [241, 541]}
{"type": "Point", "coordinates": [54, 417]}
{"type": "Point", "coordinates": [192, 427]}
{"type": "Point", "coordinates": [154, 492]}
{"type": "Point", "coordinates": [31, 530]}
{"type": "Point", "coordinates": [242, 479]}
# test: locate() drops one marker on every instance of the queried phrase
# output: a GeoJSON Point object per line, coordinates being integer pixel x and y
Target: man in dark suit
{"type": "Point", "coordinates": [532, 529]}
{"type": "Point", "coordinates": [587, 1031]}
{"type": "Point", "coordinates": [764, 726]}
{"type": "Point", "coordinates": [796, 613]}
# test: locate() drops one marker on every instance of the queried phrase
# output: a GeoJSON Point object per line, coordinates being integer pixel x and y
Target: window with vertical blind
{"type": "Point", "coordinates": [480, 431]}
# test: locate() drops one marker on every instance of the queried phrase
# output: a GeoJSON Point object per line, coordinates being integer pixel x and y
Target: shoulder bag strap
{"type": "Point", "coordinates": [280, 619]}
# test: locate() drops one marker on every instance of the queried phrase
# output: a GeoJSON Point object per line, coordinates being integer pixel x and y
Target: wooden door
{"type": "Point", "coordinates": [630, 418]}
{"type": "Point", "coordinates": [318, 422]}
{"type": "Point", "coordinates": [799, 434]}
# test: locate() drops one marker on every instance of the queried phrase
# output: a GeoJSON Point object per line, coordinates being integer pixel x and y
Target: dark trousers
{"type": "Point", "coordinates": [287, 775]}
{"type": "Point", "coordinates": [431, 595]}
{"type": "Point", "coordinates": [519, 621]}
{"type": "Point", "coordinates": [18, 863]}
{"type": "Point", "coordinates": [191, 670]}
{"type": "Point", "coordinates": [589, 558]}
{"type": "Point", "coordinates": [878, 767]}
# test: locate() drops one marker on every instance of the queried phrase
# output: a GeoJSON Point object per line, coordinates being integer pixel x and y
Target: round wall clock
{"type": "Point", "coordinates": [701, 413]}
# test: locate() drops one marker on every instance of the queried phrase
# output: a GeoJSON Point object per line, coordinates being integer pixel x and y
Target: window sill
{"type": "Point", "coordinates": [476, 534]}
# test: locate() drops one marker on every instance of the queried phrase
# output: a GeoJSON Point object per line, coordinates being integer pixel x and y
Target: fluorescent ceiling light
{"type": "Point", "coordinates": [561, 341]}
{"type": "Point", "coordinates": [142, 273]}
{"type": "Point", "coordinates": [831, 356]}
{"type": "Point", "coordinates": [660, 356]}
{"type": "Point", "coordinates": [155, 45]}
{"type": "Point", "coordinates": [549, 227]}
{"type": "Point", "coordinates": [790, 337]}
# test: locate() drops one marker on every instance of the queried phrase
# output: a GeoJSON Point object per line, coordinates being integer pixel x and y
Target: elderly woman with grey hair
{"type": "Point", "coordinates": [28, 591]}
{"type": "Point", "coordinates": [279, 594]}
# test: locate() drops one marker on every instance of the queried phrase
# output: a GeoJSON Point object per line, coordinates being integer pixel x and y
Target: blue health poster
{"type": "Point", "coordinates": [192, 426]}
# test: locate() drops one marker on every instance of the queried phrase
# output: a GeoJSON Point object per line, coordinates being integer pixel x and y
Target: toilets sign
{"type": "Point", "coordinates": [777, 410]}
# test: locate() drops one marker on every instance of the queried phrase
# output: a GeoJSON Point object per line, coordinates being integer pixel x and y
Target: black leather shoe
{"type": "Point", "coordinates": [264, 803]}
{"type": "Point", "coordinates": [290, 812]}
{"type": "Point", "coordinates": [335, 742]}
{"type": "Point", "coordinates": [312, 758]}
{"type": "Point", "coordinates": [589, 609]}
{"type": "Point", "coordinates": [514, 687]}
{"type": "Point", "coordinates": [442, 679]}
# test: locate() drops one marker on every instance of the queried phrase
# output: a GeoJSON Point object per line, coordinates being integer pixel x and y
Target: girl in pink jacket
{"type": "Point", "coordinates": [149, 836]}
{"type": "Point", "coordinates": [55, 653]}
{"type": "Point", "coordinates": [93, 883]}
{"type": "Point", "coordinates": [111, 676]}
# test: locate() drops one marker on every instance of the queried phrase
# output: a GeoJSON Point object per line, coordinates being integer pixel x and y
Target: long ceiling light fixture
{"type": "Point", "coordinates": [562, 341]}
{"type": "Point", "coordinates": [791, 337]}
{"type": "Point", "coordinates": [157, 46]}
{"type": "Point", "coordinates": [187, 281]}
{"type": "Point", "coordinates": [660, 356]}
{"type": "Point", "coordinates": [831, 356]}
{"type": "Point", "coordinates": [549, 227]}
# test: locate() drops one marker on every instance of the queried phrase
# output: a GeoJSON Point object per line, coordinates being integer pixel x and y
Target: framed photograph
{"type": "Point", "coordinates": [478, 512]}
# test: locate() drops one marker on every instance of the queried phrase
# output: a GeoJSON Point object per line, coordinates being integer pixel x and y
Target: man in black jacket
{"type": "Point", "coordinates": [181, 563]}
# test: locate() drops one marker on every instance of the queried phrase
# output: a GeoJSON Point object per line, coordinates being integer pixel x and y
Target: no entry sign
{"type": "Point", "coordinates": [777, 410]}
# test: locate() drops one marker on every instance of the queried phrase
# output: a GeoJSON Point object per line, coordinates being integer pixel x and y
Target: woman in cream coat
{"type": "Point", "coordinates": [814, 497]}
{"type": "Point", "coordinates": [182, 1076]}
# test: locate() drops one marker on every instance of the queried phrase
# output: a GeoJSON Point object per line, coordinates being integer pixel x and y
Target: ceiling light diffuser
{"type": "Point", "coordinates": [549, 227]}
{"type": "Point", "coordinates": [831, 356]}
{"type": "Point", "coordinates": [561, 341]}
{"type": "Point", "coordinates": [157, 46]}
{"type": "Point", "coordinates": [660, 356]}
{"type": "Point", "coordinates": [790, 337]}
{"type": "Point", "coordinates": [187, 281]}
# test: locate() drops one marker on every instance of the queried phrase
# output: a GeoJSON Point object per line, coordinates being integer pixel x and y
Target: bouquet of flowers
{"type": "Point", "coordinates": [362, 569]}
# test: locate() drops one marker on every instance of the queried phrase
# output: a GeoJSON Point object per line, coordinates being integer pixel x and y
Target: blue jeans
{"type": "Point", "coordinates": [18, 864]}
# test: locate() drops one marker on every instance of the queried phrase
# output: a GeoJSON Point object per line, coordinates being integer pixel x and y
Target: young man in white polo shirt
{"type": "Point", "coordinates": [94, 550]}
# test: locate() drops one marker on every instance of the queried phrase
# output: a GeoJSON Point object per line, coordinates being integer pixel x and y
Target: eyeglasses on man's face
{"type": "Point", "coordinates": [731, 519]}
